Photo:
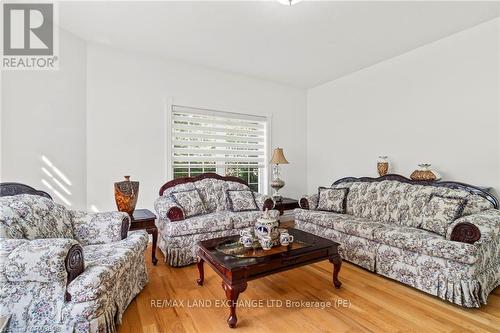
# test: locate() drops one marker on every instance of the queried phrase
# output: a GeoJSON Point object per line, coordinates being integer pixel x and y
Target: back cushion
{"type": "Point", "coordinates": [32, 216]}
{"type": "Point", "coordinates": [401, 203]}
{"type": "Point", "coordinates": [212, 192]}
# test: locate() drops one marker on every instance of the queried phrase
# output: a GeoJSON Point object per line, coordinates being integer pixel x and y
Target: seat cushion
{"type": "Point", "coordinates": [351, 225]}
{"type": "Point", "coordinates": [200, 224]}
{"type": "Point", "coordinates": [103, 263]}
{"type": "Point", "coordinates": [426, 242]}
{"type": "Point", "coordinates": [244, 219]}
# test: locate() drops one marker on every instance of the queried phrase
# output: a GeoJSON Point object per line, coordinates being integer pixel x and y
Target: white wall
{"type": "Point", "coordinates": [126, 104]}
{"type": "Point", "coordinates": [438, 103]}
{"type": "Point", "coordinates": [43, 113]}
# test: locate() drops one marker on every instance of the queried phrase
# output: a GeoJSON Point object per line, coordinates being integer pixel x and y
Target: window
{"type": "Point", "coordinates": [227, 143]}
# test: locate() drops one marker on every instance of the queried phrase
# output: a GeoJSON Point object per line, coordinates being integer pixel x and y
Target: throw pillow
{"type": "Point", "coordinates": [241, 200]}
{"type": "Point", "coordinates": [440, 212]}
{"type": "Point", "coordinates": [332, 199]}
{"type": "Point", "coordinates": [190, 201]}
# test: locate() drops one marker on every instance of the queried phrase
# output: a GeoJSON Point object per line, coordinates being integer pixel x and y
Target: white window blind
{"type": "Point", "coordinates": [203, 137]}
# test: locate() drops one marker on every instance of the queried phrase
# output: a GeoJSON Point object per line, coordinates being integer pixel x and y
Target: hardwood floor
{"type": "Point", "coordinates": [377, 304]}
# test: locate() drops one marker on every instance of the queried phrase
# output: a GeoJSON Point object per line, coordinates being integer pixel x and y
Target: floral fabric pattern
{"type": "Point", "coordinates": [177, 239]}
{"type": "Point", "coordinates": [312, 201]}
{"type": "Point", "coordinates": [21, 214]}
{"type": "Point", "coordinates": [199, 224]}
{"type": "Point", "coordinates": [163, 204]}
{"type": "Point", "coordinates": [41, 260]}
{"type": "Point", "coordinates": [440, 212]}
{"type": "Point", "coordinates": [33, 276]}
{"type": "Point", "coordinates": [98, 228]}
{"type": "Point", "coordinates": [190, 202]}
{"type": "Point", "coordinates": [241, 200]}
{"type": "Point", "coordinates": [380, 233]}
{"type": "Point", "coordinates": [332, 199]}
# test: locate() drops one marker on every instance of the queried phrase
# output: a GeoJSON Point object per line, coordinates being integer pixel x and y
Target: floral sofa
{"type": "Point", "coordinates": [63, 270]}
{"type": "Point", "coordinates": [207, 206]}
{"type": "Point", "coordinates": [390, 227]}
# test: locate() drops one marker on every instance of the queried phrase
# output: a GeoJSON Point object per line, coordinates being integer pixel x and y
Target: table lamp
{"type": "Point", "coordinates": [276, 183]}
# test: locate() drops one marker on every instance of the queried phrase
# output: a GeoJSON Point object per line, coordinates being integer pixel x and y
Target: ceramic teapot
{"type": "Point", "coordinates": [267, 226]}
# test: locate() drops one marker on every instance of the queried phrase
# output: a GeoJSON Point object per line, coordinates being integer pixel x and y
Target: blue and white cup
{"type": "Point", "coordinates": [285, 238]}
{"type": "Point", "coordinates": [246, 240]}
{"type": "Point", "coordinates": [266, 242]}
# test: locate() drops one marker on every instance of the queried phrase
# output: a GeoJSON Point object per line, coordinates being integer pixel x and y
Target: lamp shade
{"type": "Point", "coordinates": [278, 157]}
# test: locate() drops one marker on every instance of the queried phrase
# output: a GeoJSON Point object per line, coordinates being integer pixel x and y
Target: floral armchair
{"type": "Point", "coordinates": [203, 207]}
{"type": "Point", "coordinates": [63, 270]}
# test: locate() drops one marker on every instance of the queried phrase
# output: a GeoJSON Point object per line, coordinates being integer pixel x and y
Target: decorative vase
{"type": "Point", "coordinates": [382, 165]}
{"type": "Point", "coordinates": [126, 193]}
{"type": "Point", "coordinates": [424, 173]}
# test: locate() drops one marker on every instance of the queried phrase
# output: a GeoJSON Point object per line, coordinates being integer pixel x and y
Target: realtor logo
{"type": "Point", "coordinates": [29, 36]}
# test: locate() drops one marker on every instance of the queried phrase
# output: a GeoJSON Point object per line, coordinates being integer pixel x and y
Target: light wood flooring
{"type": "Point", "coordinates": [376, 304]}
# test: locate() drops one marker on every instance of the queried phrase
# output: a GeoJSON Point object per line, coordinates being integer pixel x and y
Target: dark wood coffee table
{"type": "Point", "coordinates": [237, 269]}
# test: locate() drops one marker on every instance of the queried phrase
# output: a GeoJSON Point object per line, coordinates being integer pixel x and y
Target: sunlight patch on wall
{"type": "Point", "coordinates": [94, 209]}
{"type": "Point", "coordinates": [54, 179]}
{"type": "Point", "coordinates": [56, 170]}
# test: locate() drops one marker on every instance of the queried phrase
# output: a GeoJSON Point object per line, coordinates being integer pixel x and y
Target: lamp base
{"type": "Point", "coordinates": [276, 185]}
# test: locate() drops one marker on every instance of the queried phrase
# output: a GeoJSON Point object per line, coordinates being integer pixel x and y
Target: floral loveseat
{"type": "Point", "coordinates": [395, 227]}
{"type": "Point", "coordinates": [63, 270]}
{"type": "Point", "coordinates": [203, 207]}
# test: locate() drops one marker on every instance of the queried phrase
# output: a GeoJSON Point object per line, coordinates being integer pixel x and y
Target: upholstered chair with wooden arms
{"type": "Point", "coordinates": [63, 270]}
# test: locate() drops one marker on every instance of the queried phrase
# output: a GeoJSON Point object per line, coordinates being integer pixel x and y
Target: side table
{"type": "Point", "coordinates": [145, 219]}
{"type": "Point", "coordinates": [286, 204]}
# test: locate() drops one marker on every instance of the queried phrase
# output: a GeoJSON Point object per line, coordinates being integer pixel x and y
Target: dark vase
{"type": "Point", "coordinates": [126, 193]}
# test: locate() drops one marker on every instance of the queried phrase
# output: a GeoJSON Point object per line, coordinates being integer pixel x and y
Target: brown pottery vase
{"type": "Point", "coordinates": [126, 193]}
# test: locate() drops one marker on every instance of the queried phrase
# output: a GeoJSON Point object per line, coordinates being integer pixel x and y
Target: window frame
{"type": "Point", "coordinates": [264, 172]}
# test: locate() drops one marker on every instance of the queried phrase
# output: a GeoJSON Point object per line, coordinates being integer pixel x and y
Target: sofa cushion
{"type": "Point", "coordinates": [241, 201]}
{"type": "Point", "coordinates": [32, 216]}
{"type": "Point", "coordinates": [190, 201]}
{"type": "Point", "coordinates": [244, 219]}
{"type": "Point", "coordinates": [213, 193]}
{"type": "Point", "coordinates": [440, 212]}
{"type": "Point", "coordinates": [200, 224]}
{"type": "Point", "coordinates": [348, 224]}
{"type": "Point", "coordinates": [248, 219]}
{"type": "Point", "coordinates": [426, 242]}
{"type": "Point", "coordinates": [332, 199]}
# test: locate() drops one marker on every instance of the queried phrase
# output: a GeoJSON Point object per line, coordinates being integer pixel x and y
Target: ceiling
{"type": "Point", "coordinates": [303, 45]}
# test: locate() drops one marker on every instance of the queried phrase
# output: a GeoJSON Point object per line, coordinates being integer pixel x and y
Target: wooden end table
{"type": "Point", "coordinates": [286, 204]}
{"type": "Point", "coordinates": [237, 269]}
{"type": "Point", "coordinates": [144, 219]}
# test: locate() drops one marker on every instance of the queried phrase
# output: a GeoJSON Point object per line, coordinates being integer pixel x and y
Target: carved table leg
{"type": "Point", "coordinates": [232, 293]}
{"type": "Point", "coordinates": [337, 263]}
{"type": "Point", "coordinates": [202, 272]}
{"type": "Point", "coordinates": [154, 232]}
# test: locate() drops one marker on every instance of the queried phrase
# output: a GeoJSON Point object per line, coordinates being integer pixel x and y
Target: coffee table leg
{"type": "Point", "coordinates": [202, 272]}
{"type": "Point", "coordinates": [232, 293]}
{"type": "Point", "coordinates": [337, 263]}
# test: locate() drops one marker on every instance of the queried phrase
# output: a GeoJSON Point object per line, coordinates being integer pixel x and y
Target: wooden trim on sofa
{"type": "Point", "coordinates": [185, 180]}
{"type": "Point", "coordinates": [449, 184]}
{"type": "Point", "coordinates": [7, 189]}
{"type": "Point", "coordinates": [74, 263]}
